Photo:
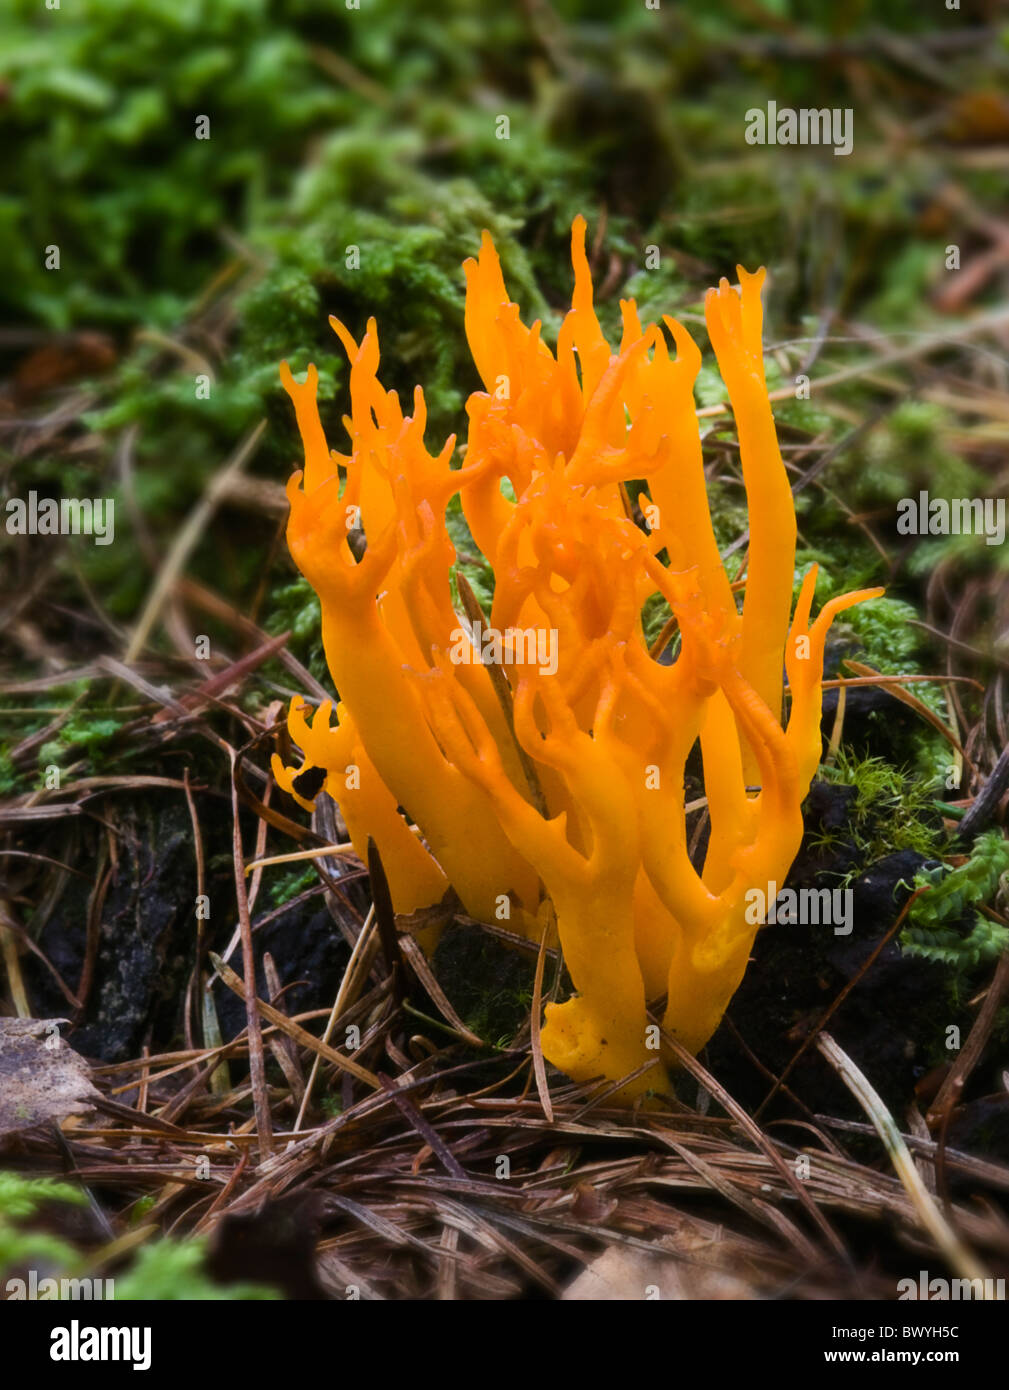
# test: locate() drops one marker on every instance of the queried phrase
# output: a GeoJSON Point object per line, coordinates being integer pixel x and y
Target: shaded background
{"type": "Point", "coordinates": [377, 128]}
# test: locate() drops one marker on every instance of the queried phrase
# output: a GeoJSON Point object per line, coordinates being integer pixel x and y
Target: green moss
{"type": "Point", "coordinates": [883, 633]}
{"type": "Point", "coordinates": [289, 883]}
{"type": "Point", "coordinates": [469, 559]}
{"type": "Point", "coordinates": [294, 607]}
{"type": "Point", "coordinates": [101, 103]}
{"type": "Point", "coordinates": [21, 1200]}
{"type": "Point", "coordinates": [174, 1270]}
{"type": "Point", "coordinates": [8, 774]}
{"type": "Point", "coordinates": [892, 810]}
{"type": "Point", "coordinates": [489, 984]}
{"type": "Point", "coordinates": [944, 924]}
{"type": "Point", "coordinates": [82, 732]}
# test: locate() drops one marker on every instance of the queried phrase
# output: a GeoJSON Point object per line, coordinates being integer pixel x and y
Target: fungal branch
{"type": "Point", "coordinates": [552, 791]}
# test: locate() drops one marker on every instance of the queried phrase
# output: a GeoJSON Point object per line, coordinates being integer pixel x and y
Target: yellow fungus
{"type": "Point", "coordinates": [556, 790]}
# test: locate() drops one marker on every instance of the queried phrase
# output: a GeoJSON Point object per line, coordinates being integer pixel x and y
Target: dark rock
{"type": "Point", "coordinates": [489, 983]}
{"type": "Point", "coordinates": [893, 1021]}
{"type": "Point", "coordinates": [621, 127]}
{"type": "Point", "coordinates": [307, 947]}
{"type": "Point", "coordinates": [875, 724]}
{"type": "Point", "coordinates": [982, 1126]}
{"type": "Point", "coordinates": [273, 1246]}
{"type": "Point", "coordinates": [146, 937]}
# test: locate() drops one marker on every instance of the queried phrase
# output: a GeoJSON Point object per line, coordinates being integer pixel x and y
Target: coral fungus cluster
{"type": "Point", "coordinates": [552, 791]}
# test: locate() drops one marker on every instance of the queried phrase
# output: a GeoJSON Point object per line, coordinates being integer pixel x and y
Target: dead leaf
{"type": "Point", "coordinates": [63, 360]}
{"type": "Point", "coordinates": [591, 1205]}
{"type": "Point", "coordinates": [41, 1078]}
{"type": "Point", "coordinates": [708, 1268]}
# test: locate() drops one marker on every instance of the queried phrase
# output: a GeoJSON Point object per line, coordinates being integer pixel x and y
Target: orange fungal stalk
{"type": "Point", "coordinates": [552, 790]}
